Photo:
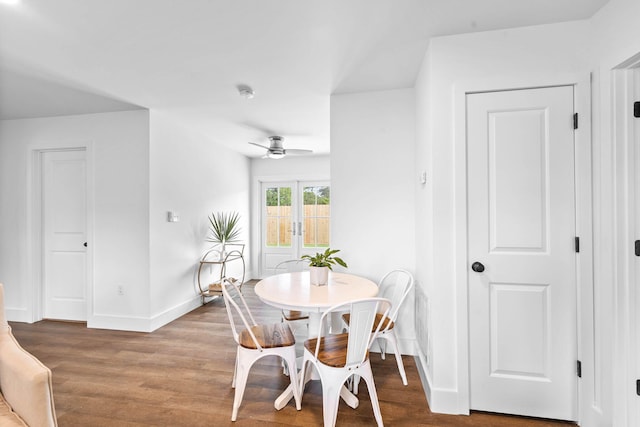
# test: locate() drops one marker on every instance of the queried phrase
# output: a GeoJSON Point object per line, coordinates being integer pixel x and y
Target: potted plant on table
{"type": "Point", "coordinates": [321, 263]}
{"type": "Point", "coordinates": [224, 229]}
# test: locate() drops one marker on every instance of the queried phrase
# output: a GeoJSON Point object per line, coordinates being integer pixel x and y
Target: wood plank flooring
{"type": "Point", "coordinates": [180, 375]}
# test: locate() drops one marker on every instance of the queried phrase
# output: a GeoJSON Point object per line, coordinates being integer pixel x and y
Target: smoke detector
{"type": "Point", "coordinates": [246, 92]}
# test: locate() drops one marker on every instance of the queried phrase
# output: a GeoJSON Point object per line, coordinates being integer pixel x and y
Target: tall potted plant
{"type": "Point", "coordinates": [224, 228]}
{"type": "Point", "coordinates": [321, 263]}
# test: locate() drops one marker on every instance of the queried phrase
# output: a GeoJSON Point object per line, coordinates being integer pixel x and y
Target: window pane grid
{"type": "Point", "coordinates": [278, 222]}
{"type": "Point", "coordinates": [316, 214]}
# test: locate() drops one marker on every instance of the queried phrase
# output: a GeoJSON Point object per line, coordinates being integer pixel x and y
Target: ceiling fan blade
{"type": "Point", "coordinates": [259, 145]}
{"type": "Point", "coordinates": [297, 151]}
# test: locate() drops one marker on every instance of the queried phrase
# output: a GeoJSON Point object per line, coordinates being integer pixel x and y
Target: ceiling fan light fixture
{"type": "Point", "coordinates": [275, 155]}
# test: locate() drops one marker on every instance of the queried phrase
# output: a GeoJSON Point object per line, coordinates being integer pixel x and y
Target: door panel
{"type": "Point", "coordinates": [64, 232]}
{"type": "Point", "coordinates": [517, 166]}
{"type": "Point", "coordinates": [521, 222]}
{"type": "Point", "coordinates": [278, 243]}
{"type": "Point", "coordinates": [316, 217]}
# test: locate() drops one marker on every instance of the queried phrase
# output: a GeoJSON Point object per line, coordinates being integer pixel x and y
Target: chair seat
{"type": "Point", "coordinates": [333, 349]}
{"type": "Point", "coordinates": [268, 336]}
{"type": "Point", "coordinates": [346, 318]}
{"type": "Point", "coordinates": [292, 315]}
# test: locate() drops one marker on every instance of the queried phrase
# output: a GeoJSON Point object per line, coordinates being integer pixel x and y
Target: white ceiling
{"type": "Point", "coordinates": [187, 57]}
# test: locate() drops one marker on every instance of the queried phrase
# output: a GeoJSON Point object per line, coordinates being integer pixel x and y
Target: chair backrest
{"type": "Point", "coordinates": [362, 315]}
{"type": "Point", "coordinates": [291, 266]}
{"type": "Point", "coordinates": [395, 286]}
{"type": "Point", "coordinates": [232, 295]}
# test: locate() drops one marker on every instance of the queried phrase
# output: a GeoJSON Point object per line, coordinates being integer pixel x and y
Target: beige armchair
{"type": "Point", "coordinates": [26, 395]}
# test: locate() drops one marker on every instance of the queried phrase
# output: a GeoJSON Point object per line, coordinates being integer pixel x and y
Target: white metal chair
{"type": "Point", "coordinates": [293, 318]}
{"type": "Point", "coordinates": [255, 342]}
{"type": "Point", "coordinates": [338, 357]}
{"type": "Point", "coordinates": [395, 286]}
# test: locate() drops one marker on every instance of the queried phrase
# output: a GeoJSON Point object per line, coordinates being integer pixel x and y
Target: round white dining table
{"type": "Point", "coordinates": [294, 291]}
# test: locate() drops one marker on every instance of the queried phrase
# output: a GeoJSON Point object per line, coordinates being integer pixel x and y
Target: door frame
{"type": "Point", "coordinates": [35, 262]}
{"type": "Point", "coordinates": [584, 214]}
{"type": "Point", "coordinates": [294, 248]}
{"type": "Point", "coordinates": [625, 90]}
{"type": "Point", "coordinates": [256, 211]}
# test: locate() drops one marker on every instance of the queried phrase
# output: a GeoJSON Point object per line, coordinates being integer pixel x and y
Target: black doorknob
{"type": "Point", "coordinates": [477, 267]}
{"type": "Point", "coordinates": [84, 244]}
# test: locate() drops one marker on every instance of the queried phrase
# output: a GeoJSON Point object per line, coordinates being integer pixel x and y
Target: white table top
{"type": "Point", "coordinates": [295, 291]}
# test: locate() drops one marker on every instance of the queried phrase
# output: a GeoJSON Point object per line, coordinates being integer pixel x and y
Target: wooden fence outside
{"type": "Point", "coordinates": [316, 225]}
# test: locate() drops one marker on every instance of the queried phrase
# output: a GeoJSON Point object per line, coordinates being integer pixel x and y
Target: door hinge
{"type": "Point", "coordinates": [577, 244]}
{"type": "Point", "coordinates": [575, 120]}
{"type": "Point", "coordinates": [637, 247]}
{"type": "Point", "coordinates": [638, 387]}
{"type": "Point", "coordinates": [579, 368]}
{"type": "Point", "coordinates": [636, 109]}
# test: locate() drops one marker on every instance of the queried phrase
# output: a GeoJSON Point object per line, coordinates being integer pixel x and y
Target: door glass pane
{"type": "Point", "coordinates": [316, 216]}
{"type": "Point", "coordinates": [278, 223]}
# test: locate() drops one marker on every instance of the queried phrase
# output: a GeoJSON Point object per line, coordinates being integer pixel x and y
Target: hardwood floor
{"type": "Point", "coordinates": [180, 375]}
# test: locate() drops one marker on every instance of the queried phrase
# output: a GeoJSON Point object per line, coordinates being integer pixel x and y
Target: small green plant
{"type": "Point", "coordinates": [224, 227]}
{"type": "Point", "coordinates": [325, 259]}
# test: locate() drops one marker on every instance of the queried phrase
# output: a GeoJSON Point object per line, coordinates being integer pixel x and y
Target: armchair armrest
{"type": "Point", "coordinates": [25, 383]}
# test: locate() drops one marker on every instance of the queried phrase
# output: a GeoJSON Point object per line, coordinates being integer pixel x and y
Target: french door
{"type": "Point", "coordinates": [295, 220]}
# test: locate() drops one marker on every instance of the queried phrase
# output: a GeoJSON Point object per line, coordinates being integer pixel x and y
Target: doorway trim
{"type": "Point", "coordinates": [256, 210]}
{"type": "Point", "coordinates": [35, 263]}
{"type": "Point", "coordinates": [584, 214]}
{"type": "Point", "coordinates": [625, 89]}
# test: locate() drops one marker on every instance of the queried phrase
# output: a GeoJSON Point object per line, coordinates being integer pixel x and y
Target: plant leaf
{"type": "Point", "coordinates": [340, 261]}
{"type": "Point", "coordinates": [224, 227]}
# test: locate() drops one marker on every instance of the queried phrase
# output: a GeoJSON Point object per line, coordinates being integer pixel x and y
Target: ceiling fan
{"type": "Point", "coordinates": [275, 150]}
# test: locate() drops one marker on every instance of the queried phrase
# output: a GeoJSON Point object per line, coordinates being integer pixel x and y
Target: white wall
{"type": "Point", "coordinates": [192, 176]}
{"type": "Point", "coordinates": [500, 59]}
{"type": "Point", "coordinates": [141, 165]}
{"type": "Point", "coordinates": [306, 168]}
{"type": "Point", "coordinates": [372, 188]}
{"type": "Point", "coordinates": [118, 160]}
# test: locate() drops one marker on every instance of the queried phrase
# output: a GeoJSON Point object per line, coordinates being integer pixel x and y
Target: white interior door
{"type": "Point", "coordinates": [521, 222]}
{"type": "Point", "coordinates": [295, 221]}
{"type": "Point", "coordinates": [64, 221]}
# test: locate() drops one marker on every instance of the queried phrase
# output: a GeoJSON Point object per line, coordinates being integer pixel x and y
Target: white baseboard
{"type": "Point", "coordinates": [172, 314]}
{"type": "Point", "coordinates": [441, 401]}
{"type": "Point", "coordinates": [141, 324]}
{"type": "Point", "coordinates": [18, 315]}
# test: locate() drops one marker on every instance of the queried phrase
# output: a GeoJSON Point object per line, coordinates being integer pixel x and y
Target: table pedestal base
{"type": "Point", "coordinates": [348, 397]}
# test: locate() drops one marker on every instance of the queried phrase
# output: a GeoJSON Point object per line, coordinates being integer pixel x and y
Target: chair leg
{"type": "Point", "coordinates": [371, 387]}
{"type": "Point", "coordinates": [302, 377]}
{"type": "Point", "coordinates": [235, 371]}
{"type": "Point", "coordinates": [331, 386]}
{"type": "Point", "coordinates": [242, 373]}
{"type": "Point", "coordinates": [356, 381]}
{"type": "Point", "coordinates": [284, 365]}
{"type": "Point", "coordinates": [391, 336]}
{"type": "Point", "coordinates": [293, 376]}
{"type": "Point", "coordinates": [382, 343]}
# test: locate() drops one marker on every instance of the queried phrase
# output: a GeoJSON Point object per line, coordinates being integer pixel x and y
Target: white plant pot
{"type": "Point", "coordinates": [319, 275]}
